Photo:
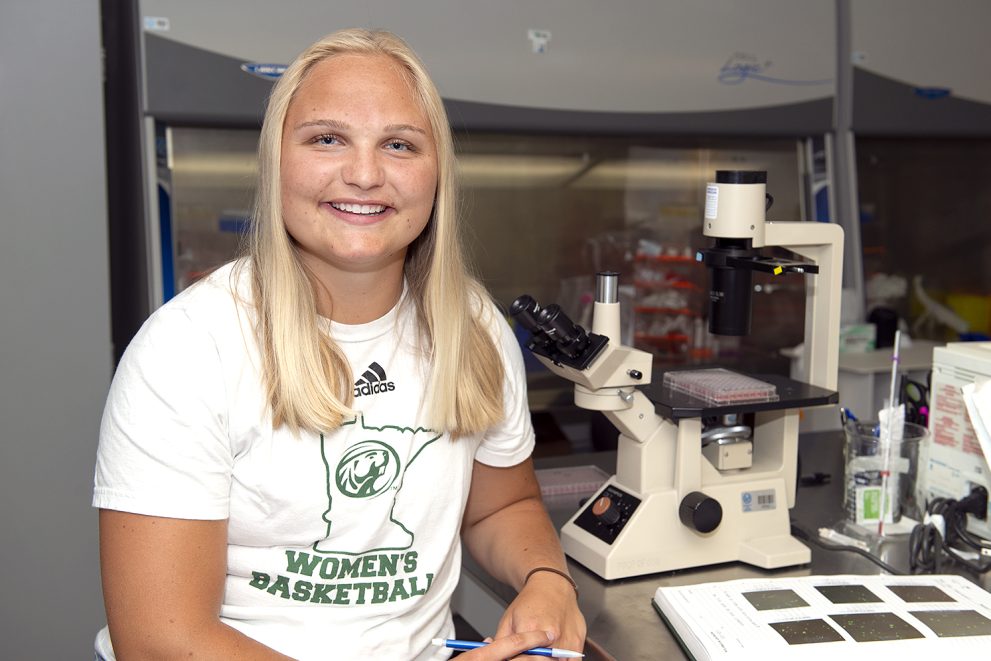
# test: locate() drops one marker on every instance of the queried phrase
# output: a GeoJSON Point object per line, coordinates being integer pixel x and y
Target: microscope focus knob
{"type": "Point", "coordinates": [605, 510]}
{"type": "Point", "coordinates": [700, 512]}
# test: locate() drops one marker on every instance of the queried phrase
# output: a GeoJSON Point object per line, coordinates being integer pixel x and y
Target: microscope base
{"type": "Point", "coordinates": [651, 538]}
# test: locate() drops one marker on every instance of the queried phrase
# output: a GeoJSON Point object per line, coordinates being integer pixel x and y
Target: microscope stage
{"type": "Point", "coordinates": [675, 405]}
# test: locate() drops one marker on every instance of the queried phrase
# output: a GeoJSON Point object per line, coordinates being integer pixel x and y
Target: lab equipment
{"type": "Point", "coordinates": [569, 485]}
{"type": "Point", "coordinates": [864, 464]}
{"type": "Point", "coordinates": [892, 419]}
{"type": "Point", "coordinates": [720, 386]}
{"type": "Point", "coordinates": [677, 501]}
{"type": "Point", "coordinates": [953, 462]}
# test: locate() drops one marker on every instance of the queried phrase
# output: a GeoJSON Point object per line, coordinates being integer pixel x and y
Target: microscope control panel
{"type": "Point", "coordinates": [608, 513]}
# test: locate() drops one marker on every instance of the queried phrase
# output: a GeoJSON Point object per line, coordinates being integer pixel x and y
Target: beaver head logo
{"type": "Point", "coordinates": [367, 469]}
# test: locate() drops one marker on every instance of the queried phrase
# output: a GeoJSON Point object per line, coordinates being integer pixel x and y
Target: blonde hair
{"type": "Point", "coordinates": [307, 378]}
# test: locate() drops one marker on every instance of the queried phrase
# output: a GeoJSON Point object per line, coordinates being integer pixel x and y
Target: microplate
{"type": "Point", "coordinates": [721, 386]}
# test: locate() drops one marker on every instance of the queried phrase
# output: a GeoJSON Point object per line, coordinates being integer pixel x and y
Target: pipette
{"type": "Point", "coordinates": [886, 438]}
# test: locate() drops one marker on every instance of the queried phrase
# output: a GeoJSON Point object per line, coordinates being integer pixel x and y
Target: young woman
{"type": "Point", "coordinates": [294, 448]}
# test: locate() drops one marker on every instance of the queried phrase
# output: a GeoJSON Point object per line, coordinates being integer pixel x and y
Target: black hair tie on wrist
{"type": "Point", "coordinates": [553, 571]}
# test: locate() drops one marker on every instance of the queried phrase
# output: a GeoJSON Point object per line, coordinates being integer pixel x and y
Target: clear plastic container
{"type": "Point", "coordinates": [721, 386]}
{"type": "Point", "coordinates": [570, 486]}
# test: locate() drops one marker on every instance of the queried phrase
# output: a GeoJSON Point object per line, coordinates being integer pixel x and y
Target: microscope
{"type": "Point", "coordinates": [699, 481]}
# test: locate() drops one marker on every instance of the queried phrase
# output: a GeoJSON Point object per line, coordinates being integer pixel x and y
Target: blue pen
{"type": "Point", "coordinates": [846, 414]}
{"type": "Point", "coordinates": [536, 651]}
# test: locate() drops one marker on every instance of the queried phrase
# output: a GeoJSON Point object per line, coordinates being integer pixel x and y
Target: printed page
{"type": "Point", "coordinates": [819, 617]}
{"type": "Point", "coordinates": [977, 397]}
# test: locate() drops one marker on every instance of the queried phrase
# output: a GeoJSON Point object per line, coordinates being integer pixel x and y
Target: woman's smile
{"type": "Point", "coordinates": [357, 213]}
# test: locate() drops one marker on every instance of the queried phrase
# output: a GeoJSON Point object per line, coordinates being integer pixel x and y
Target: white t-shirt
{"type": "Point", "coordinates": [341, 545]}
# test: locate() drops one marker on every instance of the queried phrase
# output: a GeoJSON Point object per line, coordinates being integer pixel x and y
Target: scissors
{"type": "Point", "coordinates": [915, 395]}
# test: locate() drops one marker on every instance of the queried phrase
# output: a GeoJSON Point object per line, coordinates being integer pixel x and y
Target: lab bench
{"type": "Point", "coordinates": [622, 625]}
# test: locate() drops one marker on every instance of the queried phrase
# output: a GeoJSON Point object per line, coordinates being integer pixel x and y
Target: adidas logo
{"type": "Point", "coordinates": [373, 381]}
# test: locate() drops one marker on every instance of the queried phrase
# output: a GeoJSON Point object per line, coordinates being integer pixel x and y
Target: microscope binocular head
{"type": "Point", "coordinates": [554, 335]}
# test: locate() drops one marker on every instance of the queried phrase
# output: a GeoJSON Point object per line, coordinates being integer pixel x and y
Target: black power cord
{"type": "Point", "coordinates": [930, 548]}
{"type": "Point", "coordinates": [934, 543]}
{"type": "Point", "coordinates": [802, 533]}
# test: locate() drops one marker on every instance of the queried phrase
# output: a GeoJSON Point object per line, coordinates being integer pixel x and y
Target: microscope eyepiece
{"type": "Point", "coordinates": [525, 310]}
{"type": "Point", "coordinates": [570, 338]}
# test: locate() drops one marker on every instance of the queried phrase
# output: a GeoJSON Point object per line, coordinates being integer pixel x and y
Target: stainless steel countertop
{"type": "Point", "coordinates": [621, 622]}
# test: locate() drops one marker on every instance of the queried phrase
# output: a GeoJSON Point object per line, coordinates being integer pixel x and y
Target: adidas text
{"type": "Point", "coordinates": [374, 388]}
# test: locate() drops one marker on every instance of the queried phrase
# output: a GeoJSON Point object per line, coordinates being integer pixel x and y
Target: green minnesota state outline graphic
{"type": "Point", "coordinates": [358, 488]}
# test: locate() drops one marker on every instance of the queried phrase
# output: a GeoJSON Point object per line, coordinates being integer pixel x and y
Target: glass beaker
{"type": "Point", "coordinates": [863, 472]}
